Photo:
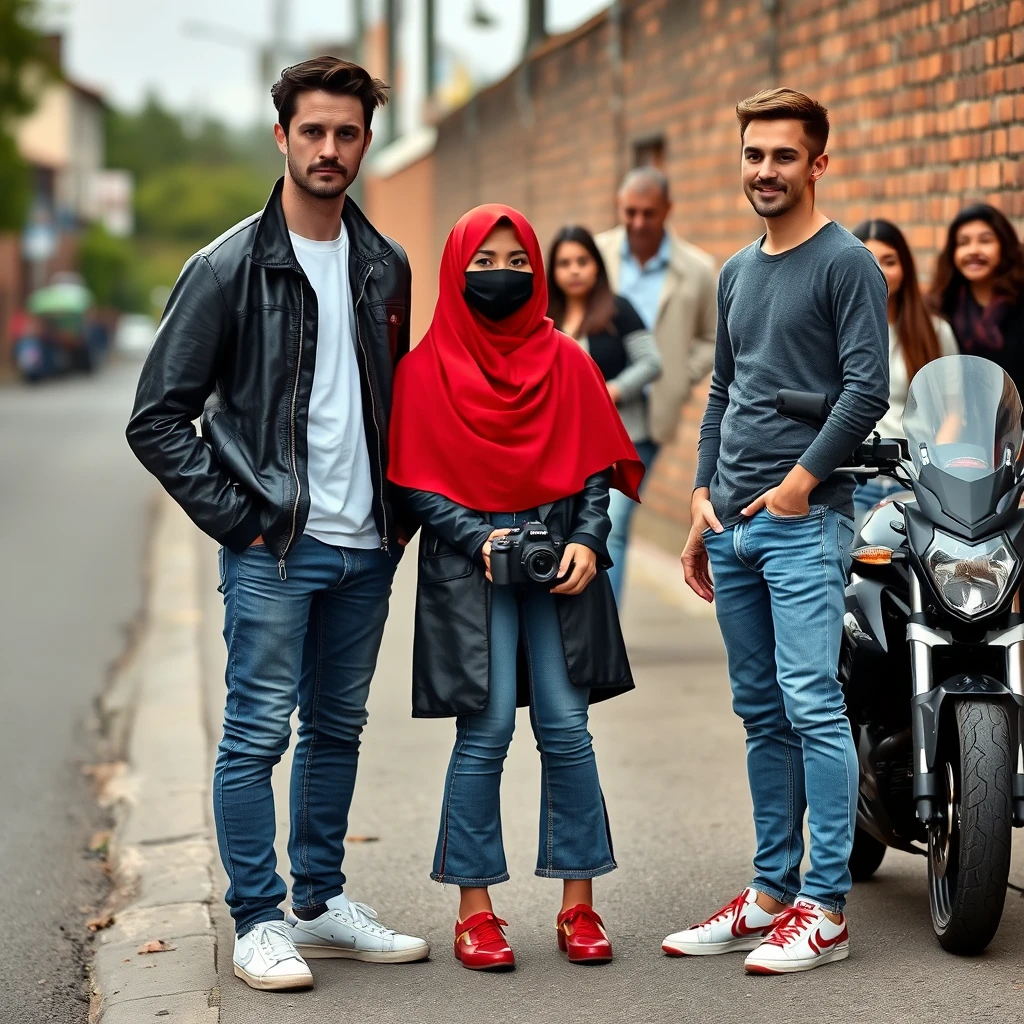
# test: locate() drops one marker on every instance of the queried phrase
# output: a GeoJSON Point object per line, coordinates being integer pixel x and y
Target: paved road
{"type": "Point", "coordinates": [672, 766]}
{"type": "Point", "coordinates": [72, 518]}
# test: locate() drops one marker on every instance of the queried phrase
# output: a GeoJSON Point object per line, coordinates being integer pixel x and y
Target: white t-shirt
{"type": "Point", "coordinates": [340, 485]}
{"type": "Point", "coordinates": [891, 424]}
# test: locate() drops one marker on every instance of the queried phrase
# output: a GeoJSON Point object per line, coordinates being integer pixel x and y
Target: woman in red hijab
{"type": "Point", "coordinates": [500, 422]}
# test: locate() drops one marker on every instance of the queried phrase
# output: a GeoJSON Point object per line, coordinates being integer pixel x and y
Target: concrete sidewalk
{"type": "Point", "coordinates": [672, 767]}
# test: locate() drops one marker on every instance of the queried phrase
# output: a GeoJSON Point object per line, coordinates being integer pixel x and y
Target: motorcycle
{"type": "Point", "coordinates": [932, 655]}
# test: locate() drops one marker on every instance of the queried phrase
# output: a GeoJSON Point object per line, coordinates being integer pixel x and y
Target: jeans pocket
{"type": "Point", "coordinates": [220, 570]}
{"type": "Point", "coordinates": [814, 512]}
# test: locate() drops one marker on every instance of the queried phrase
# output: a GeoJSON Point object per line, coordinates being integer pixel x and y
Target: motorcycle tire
{"type": "Point", "coordinates": [969, 852]}
{"type": "Point", "coordinates": [866, 856]}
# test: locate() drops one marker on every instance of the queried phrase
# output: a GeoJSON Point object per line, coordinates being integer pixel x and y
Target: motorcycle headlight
{"type": "Point", "coordinates": [971, 578]}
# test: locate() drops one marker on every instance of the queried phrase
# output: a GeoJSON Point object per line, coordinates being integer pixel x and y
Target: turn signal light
{"type": "Point", "coordinates": [873, 555]}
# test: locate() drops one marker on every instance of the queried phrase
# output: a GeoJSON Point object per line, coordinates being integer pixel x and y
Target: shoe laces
{"type": "Point", "coordinates": [586, 923]}
{"type": "Point", "coordinates": [790, 923]}
{"type": "Point", "coordinates": [366, 917]}
{"type": "Point", "coordinates": [277, 943]}
{"type": "Point", "coordinates": [731, 911]}
{"type": "Point", "coordinates": [488, 930]}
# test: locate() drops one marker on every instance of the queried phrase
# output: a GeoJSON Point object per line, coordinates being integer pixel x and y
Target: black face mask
{"type": "Point", "coordinates": [497, 294]}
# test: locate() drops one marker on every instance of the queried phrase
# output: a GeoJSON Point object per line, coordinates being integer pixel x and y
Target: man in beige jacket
{"type": "Point", "coordinates": [673, 286]}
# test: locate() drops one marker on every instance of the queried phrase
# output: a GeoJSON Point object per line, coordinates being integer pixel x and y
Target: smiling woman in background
{"type": "Point", "coordinates": [915, 338]}
{"type": "Point", "coordinates": [979, 288]}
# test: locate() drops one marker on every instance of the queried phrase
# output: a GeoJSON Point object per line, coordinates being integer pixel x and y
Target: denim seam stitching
{"type": "Point", "coordinates": [549, 846]}
{"type": "Point", "coordinates": [835, 718]}
{"type": "Point", "coordinates": [448, 798]}
{"type": "Point", "coordinates": [307, 767]}
{"type": "Point", "coordinates": [233, 697]}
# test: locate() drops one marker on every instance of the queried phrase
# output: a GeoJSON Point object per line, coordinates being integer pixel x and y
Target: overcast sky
{"type": "Point", "coordinates": [125, 47]}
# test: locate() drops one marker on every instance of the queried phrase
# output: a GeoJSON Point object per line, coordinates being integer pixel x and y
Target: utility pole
{"type": "Point", "coordinates": [430, 48]}
{"type": "Point", "coordinates": [359, 18]}
{"type": "Point", "coordinates": [536, 24]}
{"type": "Point", "coordinates": [391, 17]}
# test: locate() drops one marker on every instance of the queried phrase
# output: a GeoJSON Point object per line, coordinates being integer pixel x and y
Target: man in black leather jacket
{"type": "Point", "coordinates": [284, 334]}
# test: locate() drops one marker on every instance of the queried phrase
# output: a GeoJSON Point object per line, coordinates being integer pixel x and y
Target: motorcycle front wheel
{"type": "Point", "coordinates": [969, 851]}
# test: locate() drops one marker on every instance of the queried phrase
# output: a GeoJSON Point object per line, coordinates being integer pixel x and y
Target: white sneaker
{"type": "Point", "coordinates": [803, 938]}
{"type": "Point", "coordinates": [351, 930]}
{"type": "Point", "coordinates": [266, 958]}
{"type": "Point", "coordinates": [739, 925]}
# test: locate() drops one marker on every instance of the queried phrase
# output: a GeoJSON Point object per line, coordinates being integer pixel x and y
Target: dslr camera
{"type": "Point", "coordinates": [529, 554]}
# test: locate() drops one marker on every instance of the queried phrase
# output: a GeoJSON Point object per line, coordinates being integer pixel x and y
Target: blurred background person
{"type": "Point", "coordinates": [673, 287]}
{"type": "Point", "coordinates": [581, 304]}
{"type": "Point", "coordinates": [915, 338]}
{"type": "Point", "coordinates": [979, 288]}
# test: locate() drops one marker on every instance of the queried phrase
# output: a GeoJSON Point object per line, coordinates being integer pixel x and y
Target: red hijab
{"type": "Point", "coordinates": [502, 416]}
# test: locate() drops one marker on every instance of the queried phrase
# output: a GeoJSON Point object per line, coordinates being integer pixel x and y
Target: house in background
{"type": "Point", "coordinates": [63, 142]}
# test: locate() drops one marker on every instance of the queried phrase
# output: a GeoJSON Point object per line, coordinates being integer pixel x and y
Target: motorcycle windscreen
{"type": "Point", "coordinates": [963, 416]}
{"type": "Point", "coordinates": [963, 428]}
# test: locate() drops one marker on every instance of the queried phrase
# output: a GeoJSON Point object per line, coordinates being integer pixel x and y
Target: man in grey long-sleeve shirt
{"type": "Point", "coordinates": [804, 307]}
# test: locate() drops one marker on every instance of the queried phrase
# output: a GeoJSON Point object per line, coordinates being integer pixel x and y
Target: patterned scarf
{"type": "Point", "coordinates": [977, 328]}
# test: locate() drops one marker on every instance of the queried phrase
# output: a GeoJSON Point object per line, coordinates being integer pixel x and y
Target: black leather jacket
{"type": "Point", "coordinates": [451, 646]}
{"type": "Point", "coordinates": [237, 344]}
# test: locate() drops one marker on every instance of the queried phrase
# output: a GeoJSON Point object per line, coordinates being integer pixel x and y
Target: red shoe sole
{"type": "Point", "coordinates": [757, 969]}
{"type": "Point", "coordinates": [669, 951]}
{"type": "Point", "coordinates": [564, 947]}
{"type": "Point", "coordinates": [497, 965]}
{"type": "Point", "coordinates": [492, 965]}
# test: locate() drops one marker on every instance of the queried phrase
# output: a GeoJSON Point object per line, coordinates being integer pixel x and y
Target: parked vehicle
{"type": "Point", "coordinates": [932, 661]}
{"type": "Point", "coordinates": [134, 335]}
{"type": "Point", "coordinates": [59, 331]}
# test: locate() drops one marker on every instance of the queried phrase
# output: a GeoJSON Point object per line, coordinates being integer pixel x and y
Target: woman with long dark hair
{"type": "Point", "coordinates": [915, 338]}
{"type": "Point", "coordinates": [582, 305]}
{"type": "Point", "coordinates": [979, 288]}
{"type": "Point", "coordinates": [499, 421]}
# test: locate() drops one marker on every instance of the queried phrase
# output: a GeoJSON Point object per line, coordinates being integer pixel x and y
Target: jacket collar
{"type": "Point", "coordinates": [677, 259]}
{"type": "Point", "coordinates": [272, 246]}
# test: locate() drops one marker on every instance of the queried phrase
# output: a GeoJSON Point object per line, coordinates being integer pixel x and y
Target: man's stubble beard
{"type": "Point", "coordinates": [306, 182]}
{"type": "Point", "coordinates": [790, 199]}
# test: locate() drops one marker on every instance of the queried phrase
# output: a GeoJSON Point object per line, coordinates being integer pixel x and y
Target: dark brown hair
{"type": "Point", "coordinates": [949, 282]}
{"type": "Point", "coordinates": [914, 328]}
{"type": "Point", "coordinates": [328, 74]}
{"type": "Point", "coordinates": [600, 302]}
{"type": "Point", "coordinates": [787, 105]}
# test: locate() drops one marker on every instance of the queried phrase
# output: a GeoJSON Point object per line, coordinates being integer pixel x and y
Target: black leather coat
{"type": "Point", "coordinates": [237, 344]}
{"type": "Point", "coordinates": [451, 665]}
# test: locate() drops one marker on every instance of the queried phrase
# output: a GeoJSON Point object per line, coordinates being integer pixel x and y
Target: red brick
{"type": "Point", "coordinates": [926, 98]}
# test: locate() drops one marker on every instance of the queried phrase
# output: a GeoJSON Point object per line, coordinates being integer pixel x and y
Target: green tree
{"type": "Point", "coordinates": [108, 266]}
{"type": "Point", "coordinates": [193, 203]}
{"type": "Point", "coordinates": [24, 65]}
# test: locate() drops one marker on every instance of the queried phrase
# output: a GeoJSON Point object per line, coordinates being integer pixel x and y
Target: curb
{"type": "Point", "coordinates": [161, 850]}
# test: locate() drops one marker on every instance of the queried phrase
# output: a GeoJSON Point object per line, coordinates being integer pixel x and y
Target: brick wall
{"type": "Point", "coordinates": [926, 98]}
{"type": "Point", "coordinates": [402, 206]}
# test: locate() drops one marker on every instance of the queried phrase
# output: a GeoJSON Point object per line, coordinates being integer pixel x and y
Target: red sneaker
{"type": "Point", "coordinates": [480, 944]}
{"type": "Point", "coordinates": [581, 934]}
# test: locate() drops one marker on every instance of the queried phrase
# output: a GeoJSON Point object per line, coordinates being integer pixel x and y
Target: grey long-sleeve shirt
{"type": "Point", "coordinates": [813, 319]}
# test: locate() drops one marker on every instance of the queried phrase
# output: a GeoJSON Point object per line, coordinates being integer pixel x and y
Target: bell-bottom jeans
{"type": "Point", "coordinates": [574, 840]}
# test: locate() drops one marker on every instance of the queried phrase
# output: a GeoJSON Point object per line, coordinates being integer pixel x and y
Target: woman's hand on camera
{"type": "Point", "coordinates": [583, 563]}
{"type": "Point", "coordinates": [485, 551]}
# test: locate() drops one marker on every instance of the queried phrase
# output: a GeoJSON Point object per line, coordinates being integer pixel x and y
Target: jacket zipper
{"type": "Point", "coordinates": [281, 570]}
{"type": "Point", "coordinates": [373, 411]}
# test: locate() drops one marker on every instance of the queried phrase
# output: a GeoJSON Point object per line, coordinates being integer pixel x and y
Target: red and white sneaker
{"type": "Point", "coordinates": [803, 938]}
{"type": "Point", "coordinates": [739, 925]}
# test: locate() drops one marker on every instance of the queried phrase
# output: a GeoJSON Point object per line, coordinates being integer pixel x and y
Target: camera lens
{"type": "Point", "coordinates": [541, 565]}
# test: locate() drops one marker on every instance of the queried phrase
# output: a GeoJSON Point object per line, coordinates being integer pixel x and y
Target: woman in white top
{"type": "Point", "coordinates": [915, 338]}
